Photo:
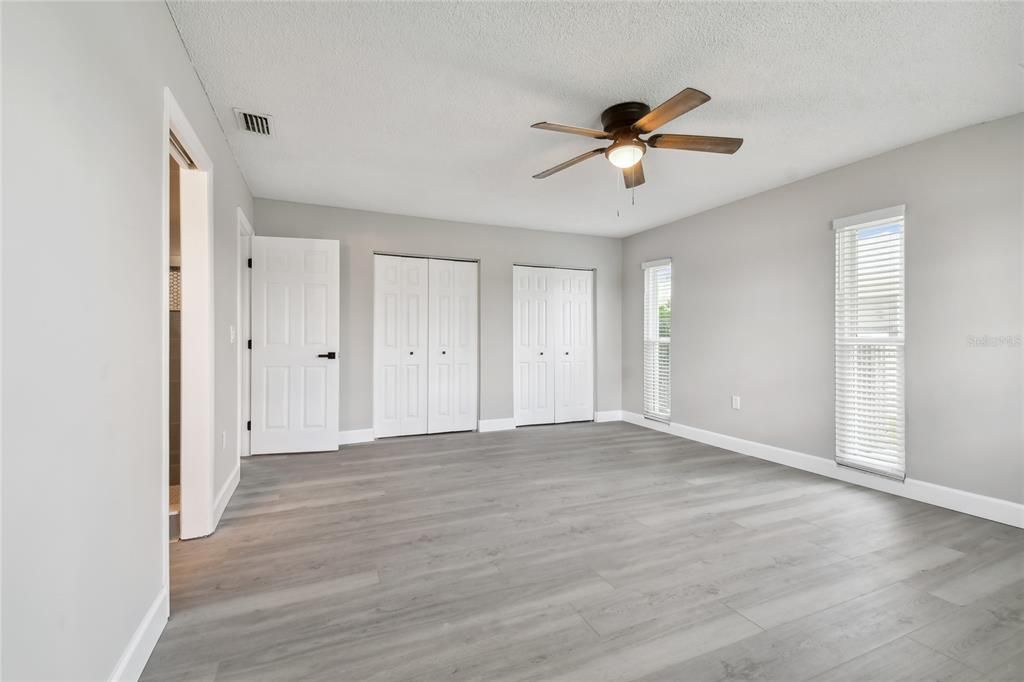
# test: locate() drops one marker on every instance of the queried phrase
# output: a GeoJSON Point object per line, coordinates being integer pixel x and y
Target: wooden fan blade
{"type": "Point", "coordinates": [571, 162]}
{"type": "Point", "coordinates": [696, 143]}
{"type": "Point", "coordinates": [634, 175]}
{"type": "Point", "coordinates": [572, 130]}
{"type": "Point", "coordinates": [687, 100]}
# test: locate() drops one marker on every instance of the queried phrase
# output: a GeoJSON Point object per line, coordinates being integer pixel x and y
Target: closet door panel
{"type": "Point", "coordinates": [387, 346]}
{"type": "Point", "coordinates": [453, 346]}
{"type": "Point", "coordinates": [534, 371]}
{"type": "Point", "coordinates": [574, 325]}
{"type": "Point", "coordinates": [413, 380]}
{"type": "Point", "coordinates": [465, 343]}
{"type": "Point", "coordinates": [441, 350]}
{"type": "Point", "coordinates": [425, 346]}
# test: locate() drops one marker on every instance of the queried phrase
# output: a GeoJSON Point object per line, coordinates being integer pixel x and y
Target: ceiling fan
{"type": "Point", "coordinates": [624, 123]}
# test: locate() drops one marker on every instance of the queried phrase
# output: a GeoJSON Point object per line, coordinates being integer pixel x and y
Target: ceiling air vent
{"type": "Point", "coordinates": [253, 123]}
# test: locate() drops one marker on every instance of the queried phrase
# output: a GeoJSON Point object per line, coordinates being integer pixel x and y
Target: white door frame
{"type": "Point", "coordinates": [243, 251]}
{"type": "Point", "coordinates": [197, 441]}
{"type": "Point", "coordinates": [593, 318]}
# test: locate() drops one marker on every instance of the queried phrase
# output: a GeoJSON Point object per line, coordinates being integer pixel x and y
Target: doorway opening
{"type": "Point", "coordinates": [186, 307]}
{"type": "Point", "coordinates": [176, 159]}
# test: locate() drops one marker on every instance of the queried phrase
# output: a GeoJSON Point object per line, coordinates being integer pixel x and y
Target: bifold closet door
{"type": "Point", "coordinates": [452, 346]}
{"type": "Point", "coordinates": [574, 345]}
{"type": "Point", "coordinates": [534, 379]}
{"type": "Point", "coordinates": [400, 346]}
{"type": "Point", "coordinates": [554, 345]}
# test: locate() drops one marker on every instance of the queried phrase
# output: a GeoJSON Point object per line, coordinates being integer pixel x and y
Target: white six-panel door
{"type": "Point", "coordinates": [452, 346]}
{"type": "Point", "coordinates": [534, 350]}
{"type": "Point", "coordinates": [574, 345]}
{"type": "Point", "coordinates": [295, 309]}
{"type": "Point", "coordinates": [400, 385]}
{"type": "Point", "coordinates": [553, 346]}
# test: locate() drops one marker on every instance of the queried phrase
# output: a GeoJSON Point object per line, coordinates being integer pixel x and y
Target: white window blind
{"type": "Point", "coordinates": [869, 345]}
{"type": "Point", "coordinates": [658, 339]}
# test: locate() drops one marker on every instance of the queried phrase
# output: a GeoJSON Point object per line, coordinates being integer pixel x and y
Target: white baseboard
{"type": "Point", "coordinates": [140, 646]}
{"type": "Point", "coordinates": [608, 416]}
{"type": "Point", "coordinates": [485, 425]}
{"type": "Point", "coordinates": [991, 508]}
{"type": "Point", "coordinates": [224, 496]}
{"type": "Point", "coordinates": [355, 436]}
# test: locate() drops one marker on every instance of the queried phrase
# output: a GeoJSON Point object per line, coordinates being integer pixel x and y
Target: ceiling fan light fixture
{"type": "Point", "coordinates": [626, 154]}
{"type": "Point", "coordinates": [625, 122]}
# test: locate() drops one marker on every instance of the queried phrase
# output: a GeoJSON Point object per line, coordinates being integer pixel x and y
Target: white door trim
{"type": "Point", "coordinates": [243, 246]}
{"type": "Point", "coordinates": [197, 444]}
{"type": "Point", "coordinates": [197, 458]}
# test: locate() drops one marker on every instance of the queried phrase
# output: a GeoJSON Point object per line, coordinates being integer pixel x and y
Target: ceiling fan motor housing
{"type": "Point", "coordinates": [620, 117]}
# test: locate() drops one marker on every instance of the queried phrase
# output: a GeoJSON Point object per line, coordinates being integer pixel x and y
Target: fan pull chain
{"type": "Point", "coordinates": [615, 193]}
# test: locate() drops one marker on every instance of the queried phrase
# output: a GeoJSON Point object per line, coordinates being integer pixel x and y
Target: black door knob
{"type": "Point", "coordinates": [444, 352]}
{"type": "Point", "coordinates": [410, 352]}
{"type": "Point", "coordinates": [330, 356]}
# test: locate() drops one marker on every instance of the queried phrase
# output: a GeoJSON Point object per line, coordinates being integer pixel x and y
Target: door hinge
{"type": "Point", "coordinates": [250, 262]}
{"type": "Point", "coordinates": [248, 426]}
{"type": "Point", "coordinates": [250, 344]}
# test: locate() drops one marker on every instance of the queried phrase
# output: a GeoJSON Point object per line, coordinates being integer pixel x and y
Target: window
{"type": "Point", "coordinates": [658, 339]}
{"type": "Point", "coordinates": [870, 333]}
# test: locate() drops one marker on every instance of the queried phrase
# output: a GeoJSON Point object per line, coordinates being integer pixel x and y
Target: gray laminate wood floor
{"type": "Point", "coordinates": [585, 552]}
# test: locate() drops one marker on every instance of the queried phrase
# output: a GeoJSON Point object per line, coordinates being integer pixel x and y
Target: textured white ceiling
{"type": "Point", "coordinates": [424, 109]}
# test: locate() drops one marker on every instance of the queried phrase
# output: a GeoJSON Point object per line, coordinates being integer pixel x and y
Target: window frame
{"type": "Point", "coordinates": [649, 268]}
{"type": "Point", "coordinates": [856, 223]}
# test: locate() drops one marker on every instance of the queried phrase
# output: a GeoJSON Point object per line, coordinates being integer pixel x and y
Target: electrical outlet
{"type": "Point", "coordinates": [735, 402]}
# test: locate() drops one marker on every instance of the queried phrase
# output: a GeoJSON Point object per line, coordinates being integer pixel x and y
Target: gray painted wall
{"type": "Point", "coordinates": [362, 233]}
{"type": "Point", "coordinates": [753, 307]}
{"type": "Point", "coordinates": [83, 108]}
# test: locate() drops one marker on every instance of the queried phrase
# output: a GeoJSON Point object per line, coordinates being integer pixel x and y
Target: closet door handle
{"type": "Point", "coordinates": [330, 356]}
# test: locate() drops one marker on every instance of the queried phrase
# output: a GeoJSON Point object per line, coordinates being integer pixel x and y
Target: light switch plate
{"type": "Point", "coordinates": [735, 402]}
